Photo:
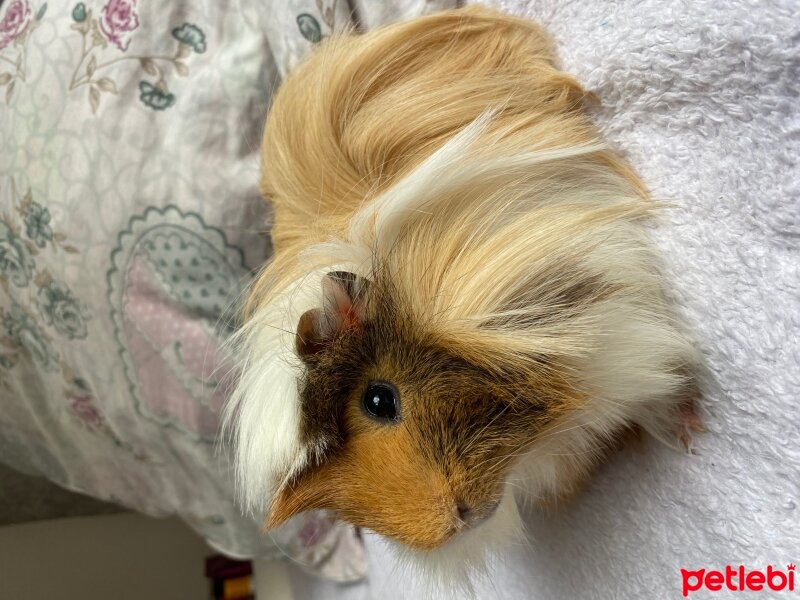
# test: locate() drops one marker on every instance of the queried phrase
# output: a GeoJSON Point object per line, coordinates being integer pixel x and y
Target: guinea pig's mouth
{"type": "Point", "coordinates": [445, 528]}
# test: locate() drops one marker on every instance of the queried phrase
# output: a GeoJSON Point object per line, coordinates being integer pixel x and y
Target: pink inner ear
{"type": "Point", "coordinates": [340, 312]}
{"type": "Point", "coordinates": [336, 297]}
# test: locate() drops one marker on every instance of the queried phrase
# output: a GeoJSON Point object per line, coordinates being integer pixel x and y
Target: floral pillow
{"type": "Point", "coordinates": [130, 225]}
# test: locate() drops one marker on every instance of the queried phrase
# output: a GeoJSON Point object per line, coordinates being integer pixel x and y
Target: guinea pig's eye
{"type": "Point", "coordinates": [381, 401]}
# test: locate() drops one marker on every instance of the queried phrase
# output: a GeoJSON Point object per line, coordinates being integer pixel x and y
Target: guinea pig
{"type": "Point", "coordinates": [463, 306]}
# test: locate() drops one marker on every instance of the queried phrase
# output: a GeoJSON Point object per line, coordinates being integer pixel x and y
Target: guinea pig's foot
{"type": "Point", "coordinates": [690, 422]}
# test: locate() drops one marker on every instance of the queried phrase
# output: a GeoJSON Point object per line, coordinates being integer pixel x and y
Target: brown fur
{"type": "Point", "coordinates": [464, 412]}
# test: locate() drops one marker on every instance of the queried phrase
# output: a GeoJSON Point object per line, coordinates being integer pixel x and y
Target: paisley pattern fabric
{"type": "Point", "coordinates": [130, 224]}
{"type": "Point", "coordinates": [171, 276]}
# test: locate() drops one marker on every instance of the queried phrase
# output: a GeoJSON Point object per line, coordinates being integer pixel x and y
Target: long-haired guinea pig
{"type": "Point", "coordinates": [463, 299]}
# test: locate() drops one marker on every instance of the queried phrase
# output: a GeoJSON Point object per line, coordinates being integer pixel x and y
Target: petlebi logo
{"type": "Point", "coordinates": [739, 579]}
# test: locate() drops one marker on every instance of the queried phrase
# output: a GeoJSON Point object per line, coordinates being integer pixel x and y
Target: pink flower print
{"type": "Point", "coordinates": [86, 411]}
{"type": "Point", "coordinates": [118, 22]}
{"type": "Point", "coordinates": [16, 19]}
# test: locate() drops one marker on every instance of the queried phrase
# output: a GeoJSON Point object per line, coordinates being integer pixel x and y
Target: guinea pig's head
{"type": "Point", "coordinates": [409, 431]}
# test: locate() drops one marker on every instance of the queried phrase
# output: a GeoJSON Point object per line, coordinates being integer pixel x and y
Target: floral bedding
{"type": "Point", "coordinates": [130, 225]}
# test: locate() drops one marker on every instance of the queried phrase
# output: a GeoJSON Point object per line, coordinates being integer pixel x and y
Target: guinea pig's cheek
{"type": "Point", "coordinates": [384, 484]}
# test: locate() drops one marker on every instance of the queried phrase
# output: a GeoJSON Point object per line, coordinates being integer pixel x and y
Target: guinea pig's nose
{"type": "Point", "coordinates": [463, 511]}
{"type": "Point", "coordinates": [469, 516]}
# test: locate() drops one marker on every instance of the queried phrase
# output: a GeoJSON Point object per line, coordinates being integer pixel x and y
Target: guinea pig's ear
{"type": "Point", "coordinates": [343, 308]}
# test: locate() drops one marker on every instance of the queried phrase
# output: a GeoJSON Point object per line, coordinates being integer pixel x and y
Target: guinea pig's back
{"type": "Point", "coordinates": [364, 110]}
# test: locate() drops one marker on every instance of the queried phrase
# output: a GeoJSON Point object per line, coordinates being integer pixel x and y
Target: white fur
{"type": "Point", "coordinates": [453, 569]}
{"type": "Point", "coordinates": [263, 413]}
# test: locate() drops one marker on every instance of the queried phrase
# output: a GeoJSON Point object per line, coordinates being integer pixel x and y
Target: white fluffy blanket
{"type": "Point", "coordinates": [703, 98]}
